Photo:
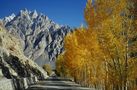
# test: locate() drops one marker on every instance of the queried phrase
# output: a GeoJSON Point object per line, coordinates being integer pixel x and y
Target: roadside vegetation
{"type": "Point", "coordinates": [47, 68]}
{"type": "Point", "coordinates": [103, 54]}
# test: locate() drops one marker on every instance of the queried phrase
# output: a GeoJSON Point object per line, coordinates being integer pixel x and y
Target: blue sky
{"type": "Point", "coordinates": [66, 12]}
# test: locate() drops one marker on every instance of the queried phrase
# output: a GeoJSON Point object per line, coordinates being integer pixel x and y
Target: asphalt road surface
{"type": "Point", "coordinates": [56, 83]}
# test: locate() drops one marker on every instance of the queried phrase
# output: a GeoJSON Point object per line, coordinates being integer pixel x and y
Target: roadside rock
{"type": "Point", "coordinates": [13, 63]}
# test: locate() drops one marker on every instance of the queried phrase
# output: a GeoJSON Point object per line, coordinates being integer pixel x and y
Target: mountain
{"type": "Point", "coordinates": [41, 38]}
{"type": "Point", "coordinates": [13, 63]}
{"type": "Point", "coordinates": [9, 18]}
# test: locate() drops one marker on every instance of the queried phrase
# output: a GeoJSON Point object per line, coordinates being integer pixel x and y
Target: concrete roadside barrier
{"type": "Point", "coordinates": [6, 84]}
{"type": "Point", "coordinates": [18, 83]}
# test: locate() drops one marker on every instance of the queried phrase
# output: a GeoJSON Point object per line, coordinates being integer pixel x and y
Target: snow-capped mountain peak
{"type": "Point", "coordinates": [9, 18]}
{"type": "Point", "coordinates": [34, 14]}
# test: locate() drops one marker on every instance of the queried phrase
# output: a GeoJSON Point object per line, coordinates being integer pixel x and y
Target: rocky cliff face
{"type": "Point", "coordinates": [13, 63]}
{"type": "Point", "coordinates": [41, 38]}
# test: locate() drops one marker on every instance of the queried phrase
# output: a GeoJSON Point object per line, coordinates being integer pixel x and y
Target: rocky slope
{"type": "Point", "coordinates": [13, 63]}
{"type": "Point", "coordinates": [41, 38]}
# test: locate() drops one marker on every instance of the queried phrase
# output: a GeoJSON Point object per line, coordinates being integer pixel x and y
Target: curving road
{"type": "Point", "coordinates": [55, 83]}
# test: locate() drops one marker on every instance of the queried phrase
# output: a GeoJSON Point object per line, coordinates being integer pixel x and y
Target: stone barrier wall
{"type": "Point", "coordinates": [6, 84]}
{"type": "Point", "coordinates": [17, 84]}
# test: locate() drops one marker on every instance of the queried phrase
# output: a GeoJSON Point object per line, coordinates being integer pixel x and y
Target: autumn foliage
{"type": "Point", "coordinates": [103, 54]}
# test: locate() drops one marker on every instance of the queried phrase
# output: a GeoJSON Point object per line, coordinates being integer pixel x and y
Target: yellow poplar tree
{"type": "Point", "coordinates": [103, 55]}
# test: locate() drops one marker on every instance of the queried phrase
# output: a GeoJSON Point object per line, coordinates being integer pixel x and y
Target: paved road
{"type": "Point", "coordinates": [54, 83]}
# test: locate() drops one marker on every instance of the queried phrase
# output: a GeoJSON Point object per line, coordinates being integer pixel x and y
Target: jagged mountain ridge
{"type": "Point", "coordinates": [41, 38]}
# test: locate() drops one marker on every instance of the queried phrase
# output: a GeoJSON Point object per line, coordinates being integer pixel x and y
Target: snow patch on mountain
{"type": "Point", "coordinates": [9, 18]}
